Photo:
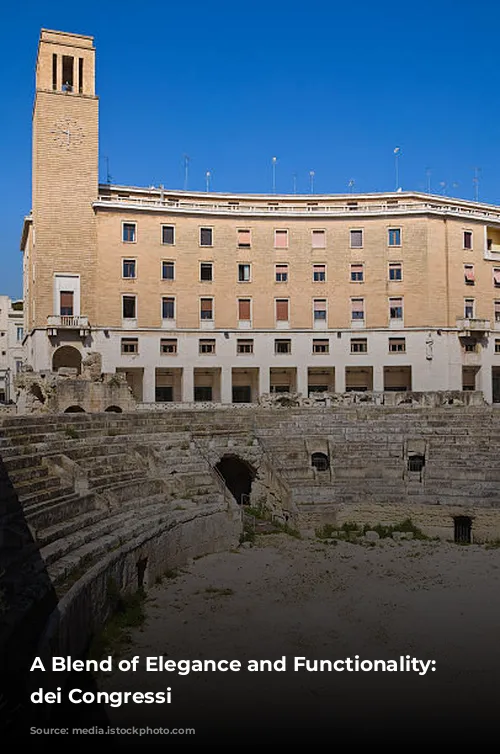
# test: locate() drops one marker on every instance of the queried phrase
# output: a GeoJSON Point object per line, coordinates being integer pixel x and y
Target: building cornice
{"type": "Point", "coordinates": [27, 222]}
{"type": "Point", "coordinates": [130, 198]}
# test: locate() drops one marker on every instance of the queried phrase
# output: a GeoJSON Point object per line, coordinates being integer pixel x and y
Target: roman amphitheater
{"type": "Point", "coordinates": [92, 503]}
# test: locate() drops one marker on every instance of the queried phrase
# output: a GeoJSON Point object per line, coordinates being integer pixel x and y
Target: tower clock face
{"type": "Point", "coordinates": [67, 132]}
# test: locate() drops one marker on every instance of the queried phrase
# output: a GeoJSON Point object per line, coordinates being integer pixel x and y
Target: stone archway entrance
{"type": "Point", "coordinates": [67, 356]}
{"type": "Point", "coordinates": [238, 476]}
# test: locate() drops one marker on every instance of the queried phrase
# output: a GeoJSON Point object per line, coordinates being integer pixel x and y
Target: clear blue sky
{"type": "Point", "coordinates": [324, 86]}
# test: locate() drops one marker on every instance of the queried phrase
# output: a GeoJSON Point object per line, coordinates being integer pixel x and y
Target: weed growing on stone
{"type": "Point", "coordinates": [214, 591]}
{"type": "Point", "coordinates": [351, 531]}
{"type": "Point", "coordinates": [493, 545]}
{"type": "Point", "coordinates": [115, 636]}
{"type": "Point", "coordinates": [248, 533]}
{"type": "Point", "coordinates": [171, 573]}
{"type": "Point", "coordinates": [71, 432]}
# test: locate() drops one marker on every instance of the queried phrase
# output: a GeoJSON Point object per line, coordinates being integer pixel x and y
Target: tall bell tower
{"type": "Point", "coordinates": [63, 246]}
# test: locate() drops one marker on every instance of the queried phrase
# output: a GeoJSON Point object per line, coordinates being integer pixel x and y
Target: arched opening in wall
{"type": "Point", "coordinates": [463, 529]}
{"type": "Point", "coordinates": [67, 356]}
{"type": "Point", "coordinates": [320, 461]}
{"type": "Point", "coordinates": [238, 476]}
{"type": "Point", "coordinates": [141, 566]}
{"type": "Point", "coordinates": [74, 410]}
{"type": "Point", "coordinates": [416, 462]}
{"type": "Point", "coordinates": [114, 409]}
{"type": "Point", "coordinates": [36, 391]}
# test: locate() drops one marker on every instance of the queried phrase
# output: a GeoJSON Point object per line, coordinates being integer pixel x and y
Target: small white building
{"type": "Point", "coordinates": [11, 345]}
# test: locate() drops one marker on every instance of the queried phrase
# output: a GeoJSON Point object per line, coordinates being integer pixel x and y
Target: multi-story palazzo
{"type": "Point", "coordinates": [225, 297]}
{"type": "Point", "coordinates": [11, 346]}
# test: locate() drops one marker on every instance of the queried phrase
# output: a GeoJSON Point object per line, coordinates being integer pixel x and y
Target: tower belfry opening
{"type": "Point", "coordinates": [68, 64]}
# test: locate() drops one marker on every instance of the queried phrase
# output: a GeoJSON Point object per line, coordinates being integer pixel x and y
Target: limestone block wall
{"type": "Point", "coordinates": [119, 498]}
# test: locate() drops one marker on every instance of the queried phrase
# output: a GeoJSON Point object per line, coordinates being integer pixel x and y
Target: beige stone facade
{"type": "Point", "coordinates": [219, 297]}
{"type": "Point", "coordinates": [11, 346]}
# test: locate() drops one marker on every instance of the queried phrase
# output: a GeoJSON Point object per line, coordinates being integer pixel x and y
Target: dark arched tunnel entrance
{"type": "Point", "coordinates": [238, 476]}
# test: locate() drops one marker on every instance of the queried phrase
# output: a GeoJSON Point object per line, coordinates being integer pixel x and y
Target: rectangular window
{"type": "Point", "coordinates": [168, 346]}
{"type": "Point", "coordinates": [54, 71]}
{"type": "Point", "coordinates": [66, 303]}
{"type": "Point", "coordinates": [244, 346]}
{"type": "Point", "coordinates": [244, 273]}
{"type": "Point", "coordinates": [244, 239]}
{"type": "Point", "coordinates": [467, 239]}
{"type": "Point", "coordinates": [318, 239]}
{"type": "Point", "coordinates": [469, 274]}
{"type": "Point", "coordinates": [130, 345]}
{"type": "Point", "coordinates": [202, 393]}
{"type": "Point", "coordinates": [281, 239]}
{"type": "Point", "coordinates": [321, 346]}
{"type": "Point", "coordinates": [19, 333]}
{"type": "Point", "coordinates": [206, 236]}
{"type": "Point", "coordinates": [469, 308]}
{"type": "Point", "coordinates": [470, 347]}
{"type": "Point", "coordinates": [206, 272]}
{"type": "Point", "coordinates": [496, 277]}
{"type": "Point", "coordinates": [319, 273]}
{"type": "Point", "coordinates": [357, 309]}
{"type": "Point", "coordinates": [357, 273]}
{"type": "Point", "coordinates": [394, 237]}
{"type": "Point", "coordinates": [282, 309]}
{"type": "Point", "coordinates": [129, 307]}
{"type": "Point", "coordinates": [396, 308]}
{"type": "Point", "coordinates": [128, 270]}
{"type": "Point", "coordinates": [129, 232]}
{"type": "Point", "coordinates": [282, 346]}
{"type": "Point", "coordinates": [207, 308]}
{"type": "Point", "coordinates": [395, 271]}
{"type": "Point", "coordinates": [319, 309]}
{"type": "Point", "coordinates": [281, 273]}
{"type": "Point", "coordinates": [397, 345]}
{"type": "Point", "coordinates": [356, 239]}
{"type": "Point", "coordinates": [359, 345]}
{"type": "Point", "coordinates": [244, 309]}
{"type": "Point", "coordinates": [168, 307]}
{"type": "Point", "coordinates": [497, 345]}
{"type": "Point", "coordinates": [496, 310]}
{"type": "Point", "coordinates": [168, 235]}
{"type": "Point", "coordinates": [80, 75]}
{"type": "Point", "coordinates": [167, 270]}
{"type": "Point", "coordinates": [206, 345]}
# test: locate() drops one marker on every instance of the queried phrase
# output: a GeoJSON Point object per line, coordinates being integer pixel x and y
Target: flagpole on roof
{"type": "Point", "coordinates": [397, 152]}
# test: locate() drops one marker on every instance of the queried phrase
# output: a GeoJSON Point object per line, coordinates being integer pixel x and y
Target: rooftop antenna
{"type": "Point", "coordinates": [208, 175]}
{"type": "Point", "coordinates": [428, 173]}
{"type": "Point", "coordinates": [475, 182]}
{"type": "Point", "coordinates": [187, 160]}
{"type": "Point", "coordinates": [311, 176]}
{"type": "Point", "coordinates": [108, 174]}
{"type": "Point", "coordinates": [274, 160]}
{"type": "Point", "coordinates": [351, 185]}
{"type": "Point", "coordinates": [443, 187]}
{"type": "Point", "coordinates": [295, 183]}
{"type": "Point", "coordinates": [397, 152]}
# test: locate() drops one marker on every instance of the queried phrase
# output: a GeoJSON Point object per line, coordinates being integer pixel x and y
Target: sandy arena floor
{"type": "Point", "coordinates": [289, 597]}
